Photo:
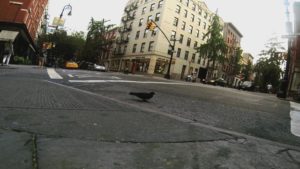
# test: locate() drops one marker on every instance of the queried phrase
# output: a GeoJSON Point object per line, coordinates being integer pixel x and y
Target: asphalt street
{"type": "Point", "coordinates": [58, 118]}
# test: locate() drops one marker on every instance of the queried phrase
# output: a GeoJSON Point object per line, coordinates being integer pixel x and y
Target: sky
{"type": "Point", "coordinates": [257, 20]}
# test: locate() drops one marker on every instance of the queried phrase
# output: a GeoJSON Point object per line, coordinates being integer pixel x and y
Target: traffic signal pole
{"type": "Point", "coordinates": [151, 27]}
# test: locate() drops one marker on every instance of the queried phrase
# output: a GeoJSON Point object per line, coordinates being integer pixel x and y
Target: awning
{"type": "Point", "coordinates": [9, 31]}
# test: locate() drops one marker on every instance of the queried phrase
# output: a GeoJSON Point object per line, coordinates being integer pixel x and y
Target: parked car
{"type": "Point", "coordinates": [190, 78]}
{"type": "Point", "coordinates": [217, 82]}
{"type": "Point", "coordinates": [247, 85]}
{"type": "Point", "coordinates": [96, 67]}
{"type": "Point", "coordinates": [84, 64]}
{"type": "Point", "coordinates": [71, 65]}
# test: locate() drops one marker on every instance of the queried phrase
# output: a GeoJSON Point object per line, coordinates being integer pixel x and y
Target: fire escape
{"type": "Point", "coordinates": [125, 29]}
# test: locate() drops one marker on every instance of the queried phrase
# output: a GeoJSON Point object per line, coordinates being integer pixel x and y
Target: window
{"type": "Point", "coordinates": [144, 10]}
{"type": "Point", "coordinates": [141, 22]}
{"type": "Point", "coordinates": [134, 48]}
{"type": "Point", "coordinates": [143, 47]}
{"type": "Point", "coordinates": [187, 2]}
{"type": "Point", "coordinates": [200, 11]}
{"type": "Point", "coordinates": [194, 7]}
{"type": "Point", "coordinates": [192, 17]}
{"type": "Point", "coordinates": [125, 49]}
{"type": "Point", "coordinates": [157, 17]}
{"type": "Point", "coordinates": [197, 33]}
{"type": "Point", "coordinates": [185, 13]}
{"type": "Point", "coordinates": [199, 60]}
{"type": "Point", "coordinates": [186, 55]}
{"type": "Point", "coordinates": [183, 25]}
{"type": "Point", "coordinates": [188, 43]}
{"type": "Point", "coordinates": [149, 18]}
{"type": "Point", "coordinates": [145, 33]}
{"type": "Point", "coordinates": [195, 44]}
{"type": "Point", "coordinates": [173, 35]}
{"type": "Point", "coordinates": [160, 3]}
{"type": "Point", "coordinates": [178, 52]}
{"type": "Point", "coordinates": [152, 7]}
{"type": "Point", "coordinates": [178, 8]}
{"type": "Point", "coordinates": [204, 25]}
{"type": "Point", "coordinates": [175, 22]}
{"type": "Point", "coordinates": [193, 58]}
{"type": "Point", "coordinates": [137, 35]}
{"type": "Point", "coordinates": [151, 44]}
{"type": "Point", "coordinates": [203, 36]}
{"type": "Point", "coordinates": [205, 15]}
{"type": "Point", "coordinates": [199, 21]}
{"type": "Point", "coordinates": [190, 29]}
{"type": "Point", "coordinates": [153, 32]}
{"type": "Point", "coordinates": [181, 38]}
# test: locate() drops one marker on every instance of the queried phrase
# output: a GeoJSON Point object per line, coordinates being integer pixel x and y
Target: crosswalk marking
{"type": "Point", "coordinates": [122, 81]}
{"type": "Point", "coordinates": [295, 118]}
{"type": "Point", "coordinates": [70, 75]}
{"type": "Point", "coordinates": [53, 74]}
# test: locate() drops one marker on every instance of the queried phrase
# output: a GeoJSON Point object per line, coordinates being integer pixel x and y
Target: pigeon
{"type": "Point", "coordinates": [144, 96]}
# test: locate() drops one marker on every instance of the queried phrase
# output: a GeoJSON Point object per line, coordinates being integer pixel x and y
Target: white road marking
{"type": "Point", "coordinates": [53, 74]}
{"type": "Point", "coordinates": [122, 81]}
{"type": "Point", "coordinates": [70, 75]}
{"type": "Point", "coordinates": [295, 118]}
{"type": "Point", "coordinates": [115, 77]}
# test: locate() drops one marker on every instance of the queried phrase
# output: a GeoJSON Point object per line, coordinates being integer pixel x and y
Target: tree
{"type": "Point", "coordinates": [96, 41]}
{"type": "Point", "coordinates": [215, 47]}
{"type": "Point", "coordinates": [64, 47]}
{"type": "Point", "coordinates": [236, 61]}
{"type": "Point", "coordinates": [268, 68]}
{"type": "Point", "coordinates": [247, 70]}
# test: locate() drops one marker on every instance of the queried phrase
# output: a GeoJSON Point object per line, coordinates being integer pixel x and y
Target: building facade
{"type": "Point", "coordinates": [140, 50]}
{"type": "Point", "coordinates": [232, 38]}
{"type": "Point", "coordinates": [294, 55]}
{"type": "Point", "coordinates": [22, 17]}
{"type": "Point", "coordinates": [107, 53]}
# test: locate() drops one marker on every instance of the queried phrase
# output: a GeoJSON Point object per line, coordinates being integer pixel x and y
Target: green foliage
{"type": "Point", "coordinates": [67, 47]}
{"type": "Point", "coordinates": [268, 68]}
{"type": "Point", "coordinates": [19, 60]}
{"type": "Point", "coordinates": [95, 41]}
{"type": "Point", "coordinates": [247, 70]}
{"type": "Point", "coordinates": [236, 61]}
{"type": "Point", "coordinates": [215, 47]}
{"type": "Point", "coordinates": [22, 60]}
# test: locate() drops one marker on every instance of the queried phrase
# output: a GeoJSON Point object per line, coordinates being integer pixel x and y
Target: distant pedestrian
{"type": "Point", "coordinates": [269, 87]}
{"type": "Point", "coordinates": [8, 51]}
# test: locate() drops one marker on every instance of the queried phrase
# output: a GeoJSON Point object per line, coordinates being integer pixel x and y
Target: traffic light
{"type": "Point", "coordinates": [151, 26]}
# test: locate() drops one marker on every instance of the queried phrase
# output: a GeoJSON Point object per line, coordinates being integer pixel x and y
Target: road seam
{"type": "Point", "coordinates": [181, 119]}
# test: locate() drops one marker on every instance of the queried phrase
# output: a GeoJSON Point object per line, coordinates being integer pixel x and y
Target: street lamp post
{"type": "Point", "coordinates": [66, 7]}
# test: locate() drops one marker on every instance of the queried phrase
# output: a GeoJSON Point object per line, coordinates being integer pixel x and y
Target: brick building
{"type": "Point", "coordinates": [20, 22]}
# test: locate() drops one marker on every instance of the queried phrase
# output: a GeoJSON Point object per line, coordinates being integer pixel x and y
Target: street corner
{"type": "Point", "coordinates": [63, 153]}
{"type": "Point", "coordinates": [16, 150]}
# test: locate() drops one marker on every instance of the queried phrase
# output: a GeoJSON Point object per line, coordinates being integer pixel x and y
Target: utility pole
{"type": "Point", "coordinates": [151, 25]}
{"type": "Point", "coordinates": [283, 91]}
